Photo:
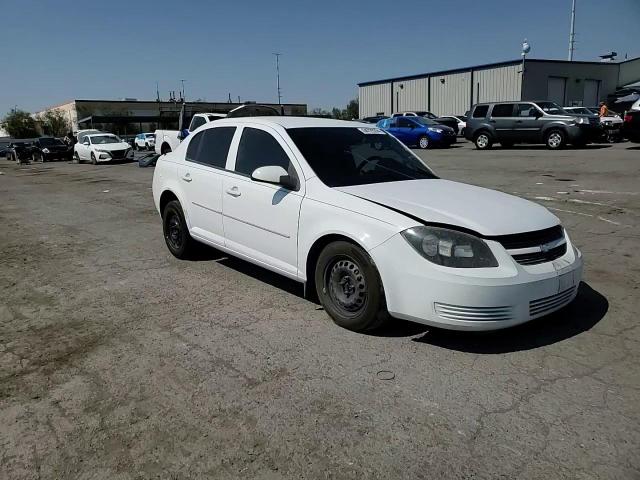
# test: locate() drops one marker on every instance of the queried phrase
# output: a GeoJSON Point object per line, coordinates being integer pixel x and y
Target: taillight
{"type": "Point", "coordinates": [627, 118]}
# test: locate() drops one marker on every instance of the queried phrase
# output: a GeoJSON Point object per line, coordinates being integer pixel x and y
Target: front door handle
{"type": "Point", "coordinates": [234, 192]}
{"type": "Point", "coordinates": [187, 177]}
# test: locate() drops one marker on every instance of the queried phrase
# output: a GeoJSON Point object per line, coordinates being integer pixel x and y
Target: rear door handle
{"type": "Point", "coordinates": [187, 177]}
{"type": "Point", "coordinates": [234, 192]}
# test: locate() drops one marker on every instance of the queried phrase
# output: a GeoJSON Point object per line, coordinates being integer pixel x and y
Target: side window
{"type": "Point", "coordinates": [194, 147]}
{"type": "Point", "coordinates": [480, 111]}
{"type": "Point", "coordinates": [525, 110]}
{"type": "Point", "coordinates": [196, 122]}
{"type": "Point", "coordinates": [502, 110]}
{"type": "Point", "coordinates": [214, 146]}
{"type": "Point", "coordinates": [405, 123]}
{"type": "Point", "coordinates": [259, 149]}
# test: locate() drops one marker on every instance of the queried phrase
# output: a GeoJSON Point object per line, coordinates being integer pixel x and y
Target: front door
{"type": "Point", "coordinates": [260, 219]}
{"type": "Point", "coordinates": [503, 122]}
{"type": "Point", "coordinates": [528, 125]}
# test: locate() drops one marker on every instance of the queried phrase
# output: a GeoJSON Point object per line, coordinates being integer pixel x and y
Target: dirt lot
{"type": "Point", "coordinates": [118, 361]}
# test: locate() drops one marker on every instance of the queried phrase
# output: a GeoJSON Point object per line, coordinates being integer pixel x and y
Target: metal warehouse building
{"type": "Point", "coordinates": [453, 92]}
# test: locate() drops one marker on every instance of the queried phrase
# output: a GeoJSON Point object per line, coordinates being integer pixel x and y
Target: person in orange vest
{"type": "Point", "coordinates": [604, 110]}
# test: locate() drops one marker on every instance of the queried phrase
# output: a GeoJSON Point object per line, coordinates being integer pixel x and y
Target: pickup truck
{"type": "Point", "coordinates": [168, 140]}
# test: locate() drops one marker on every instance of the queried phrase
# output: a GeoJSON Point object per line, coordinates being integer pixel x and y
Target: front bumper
{"type": "Point", "coordinates": [474, 299]}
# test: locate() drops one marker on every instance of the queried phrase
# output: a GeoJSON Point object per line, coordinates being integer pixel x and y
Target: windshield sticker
{"type": "Point", "coordinates": [371, 131]}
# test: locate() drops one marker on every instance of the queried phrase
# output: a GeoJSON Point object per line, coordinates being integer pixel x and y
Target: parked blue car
{"type": "Point", "coordinates": [418, 131]}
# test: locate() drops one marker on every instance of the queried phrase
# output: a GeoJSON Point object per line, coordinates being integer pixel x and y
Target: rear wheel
{"type": "Point", "coordinates": [555, 140]}
{"type": "Point", "coordinates": [349, 287]}
{"type": "Point", "coordinates": [483, 141]}
{"type": "Point", "coordinates": [176, 232]}
{"type": "Point", "coordinates": [423, 142]}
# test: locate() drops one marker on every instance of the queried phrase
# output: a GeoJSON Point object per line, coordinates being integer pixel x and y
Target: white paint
{"type": "Point", "coordinates": [609, 221]}
{"type": "Point", "coordinates": [609, 192]}
{"type": "Point", "coordinates": [545, 199]}
{"type": "Point", "coordinates": [569, 211]}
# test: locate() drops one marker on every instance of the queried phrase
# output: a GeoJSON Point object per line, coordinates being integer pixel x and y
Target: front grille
{"type": "Point", "coordinates": [541, 257]}
{"type": "Point", "coordinates": [530, 239]}
{"type": "Point", "coordinates": [118, 153]}
{"type": "Point", "coordinates": [546, 305]}
{"type": "Point", "coordinates": [478, 314]}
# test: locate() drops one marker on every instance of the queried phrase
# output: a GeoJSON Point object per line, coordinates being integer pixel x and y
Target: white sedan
{"type": "Point", "coordinates": [101, 147]}
{"type": "Point", "coordinates": [358, 218]}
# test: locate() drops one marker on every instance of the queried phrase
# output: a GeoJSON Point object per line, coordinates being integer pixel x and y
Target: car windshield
{"type": "Point", "coordinates": [47, 142]}
{"type": "Point", "coordinates": [425, 121]}
{"type": "Point", "coordinates": [426, 114]}
{"type": "Point", "coordinates": [343, 156]}
{"type": "Point", "coordinates": [552, 108]}
{"type": "Point", "coordinates": [580, 111]}
{"type": "Point", "coordinates": [103, 139]}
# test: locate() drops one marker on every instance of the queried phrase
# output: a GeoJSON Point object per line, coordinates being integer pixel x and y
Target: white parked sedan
{"type": "Point", "coordinates": [353, 214]}
{"type": "Point", "coordinates": [101, 147]}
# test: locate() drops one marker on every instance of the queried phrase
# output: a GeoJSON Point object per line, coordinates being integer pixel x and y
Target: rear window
{"type": "Point", "coordinates": [480, 111]}
{"type": "Point", "coordinates": [502, 110]}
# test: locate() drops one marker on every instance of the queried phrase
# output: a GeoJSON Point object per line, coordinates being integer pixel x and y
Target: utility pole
{"type": "Point", "coordinates": [572, 33]}
{"type": "Point", "coordinates": [183, 94]}
{"type": "Point", "coordinates": [278, 77]}
{"type": "Point", "coordinates": [157, 93]}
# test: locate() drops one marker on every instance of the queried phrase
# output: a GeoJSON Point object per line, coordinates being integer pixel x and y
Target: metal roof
{"type": "Point", "coordinates": [484, 66]}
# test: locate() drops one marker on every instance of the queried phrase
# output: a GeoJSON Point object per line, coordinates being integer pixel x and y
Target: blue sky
{"type": "Point", "coordinates": [53, 51]}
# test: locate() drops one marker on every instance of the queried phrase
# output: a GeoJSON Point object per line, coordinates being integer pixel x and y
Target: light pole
{"type": "Point", "coordinates": [278, 77]}
{"type": "Point", "coordinates": [572, 33]}
{"type": "Point", "coordinates": [526, 48]}
{"type": "Point", "coordinates": [183, 94]}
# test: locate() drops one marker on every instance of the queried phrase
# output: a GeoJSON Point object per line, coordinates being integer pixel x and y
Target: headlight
{"type": "Point", "coordinates": [434, 129]}
{"type": "Point", "coordinates": [102, 150]}
{"type": "Point", "coordinates": [45, 150]}
{"type": "Point", "coordinates": [582, 120]}
{"type": "Point", "coordinates": [450, 248]}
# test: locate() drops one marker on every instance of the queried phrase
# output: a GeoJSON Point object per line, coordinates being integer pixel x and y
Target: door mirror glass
{"type": "Point", "coordinates": [86, 143]}
{"type": "Point", "coordinates": [275, 175]}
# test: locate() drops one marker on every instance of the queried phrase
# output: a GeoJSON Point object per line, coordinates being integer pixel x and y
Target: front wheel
{"type": "Point", "coordinates": [176, 232]}
{"type": "Point", "coordinates": [93, 159]}
{"type": "Point", "coordinates": [349, 287]}
{"type": "Point", "coordinates": [423, 142]}
{"type": "Point", "coordinates": [483, 141]}
{"type": "Point", "coordinates": [555, 140]}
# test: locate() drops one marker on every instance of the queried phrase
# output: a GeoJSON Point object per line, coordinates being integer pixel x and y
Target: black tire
{"type": "Point", "coordinates": [483, 140]}
{"type": "Point", "coordinates": [176, 232]}
{"type": "Point", "coordinates": [76, 158]}
{"type": "Point", "coordinates": [165, 149]}
{"type": "Point", "coordinates": [146, 147]}
{"type": "Point", "coordinates": [349, 287]}
{"type": "Point", "coordinates": [424, 142]}
{"type": "Point", "coordinates": [93, 159]}
{"type": "Point", "coordinates": [135, 146]}
{"type": "Point", "coordinates": [555, 139]}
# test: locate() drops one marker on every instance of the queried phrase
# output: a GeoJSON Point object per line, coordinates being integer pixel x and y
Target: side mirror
{"type": "Point", "coordinates": [275, 175]}
{"type": "Point", "coordinates": [86, 143]}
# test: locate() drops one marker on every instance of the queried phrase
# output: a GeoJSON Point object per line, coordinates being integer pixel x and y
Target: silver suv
{"type": "Point", "coordinates": [545, 122]}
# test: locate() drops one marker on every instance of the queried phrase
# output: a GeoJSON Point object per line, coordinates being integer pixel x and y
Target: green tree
{"type": "Point", "coordinates": [19, 124]}
{"type": "Point", "coordinates": [353, 110]}
{"type": "Point", "coordinates": [54, 123]}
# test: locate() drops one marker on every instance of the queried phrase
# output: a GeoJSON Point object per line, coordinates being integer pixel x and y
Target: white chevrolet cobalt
{"type": "Point", "coordinates": [360, 220]}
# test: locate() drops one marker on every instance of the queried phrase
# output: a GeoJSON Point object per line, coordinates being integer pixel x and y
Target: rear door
{"type": "Point", "coordinates": [260, 219]}
{"type": "Point", "coordinates": [202, 179]}
{"type": "Point", "coordinates": [503, 121]}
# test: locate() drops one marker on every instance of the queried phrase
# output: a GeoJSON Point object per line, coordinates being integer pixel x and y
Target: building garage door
{"type": "Point", "coordinates": [555, 89]}
{"type": "Point", "coordinates": [591, 93]}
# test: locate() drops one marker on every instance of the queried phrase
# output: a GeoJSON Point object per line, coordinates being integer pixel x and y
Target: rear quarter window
{"type": "Point", "coordinates": [480, 111]}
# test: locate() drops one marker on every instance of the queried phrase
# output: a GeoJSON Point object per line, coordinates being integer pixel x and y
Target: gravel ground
{"type": "Point", "coordinates": [118, 361]}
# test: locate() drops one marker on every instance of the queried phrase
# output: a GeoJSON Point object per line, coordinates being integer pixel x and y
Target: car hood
{"type": "Point", "coordinates": [112, 146]}
{"type": "Point", "coordinates": [487, 212]}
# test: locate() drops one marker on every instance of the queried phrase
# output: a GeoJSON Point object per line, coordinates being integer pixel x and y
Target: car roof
{"type": "Point", "coordinates": [292, 122]}
{"type": "Point", "coordinates": [101, 134]}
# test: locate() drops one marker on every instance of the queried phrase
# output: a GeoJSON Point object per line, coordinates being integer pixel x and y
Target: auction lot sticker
{"type": "Point", "coordinates": [371, 131]}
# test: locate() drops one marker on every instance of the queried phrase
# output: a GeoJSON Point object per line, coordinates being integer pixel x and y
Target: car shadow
{"type": "Point", "coordinates": [581, 315]}
{"type": "Point", "coordinates": [634, 148]}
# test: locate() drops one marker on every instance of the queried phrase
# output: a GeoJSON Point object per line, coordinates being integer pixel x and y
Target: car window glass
{"type": "Point", "coordinates": [214, 146]}
{"type": "Point", "coordinates": [502, 110]}
{"type": "Point", "coordinates": [480, 111]}
{"type": "Point", "coordinates": [405, 123]}
{"type": "Point", "coordinates": [196, 122]}
{"type": "Point", "coordinates": [258, 148]}
{"type": "Point", "coordinates": [525, 110]}
{"type": "Point", "coordinates": [194, 147]}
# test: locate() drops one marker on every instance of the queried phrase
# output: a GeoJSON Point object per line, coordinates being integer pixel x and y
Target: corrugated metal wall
{"type": "Point", "coordinates": [629, 72]}
{"type": "Point", "coordinates": [450, 94]}
{"type": "Point", "coordinates": [409, 95]}
{"type": "Point", "coordinates": [497, 84]}
{"type": "Point", "coordinates": [374, 99]}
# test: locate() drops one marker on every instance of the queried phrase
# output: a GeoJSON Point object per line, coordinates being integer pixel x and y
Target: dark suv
{"type": "Point", "coordinates": [528, 122]}
{"type": "Point", "coordinates": [45, 149]}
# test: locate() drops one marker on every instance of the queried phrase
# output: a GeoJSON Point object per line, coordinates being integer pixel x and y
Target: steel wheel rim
{"type": "Point", "coordinates": [424, 142]}
{"type": "Point", "coordinates": [174, 231]}
{"type": "Point", "coordinates": [555, 140]}
{"type": "Point", "coordinates": [482, 141]}
{"type": "Point", "coordinates": [346, 285]}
